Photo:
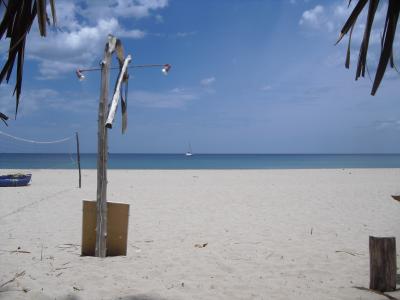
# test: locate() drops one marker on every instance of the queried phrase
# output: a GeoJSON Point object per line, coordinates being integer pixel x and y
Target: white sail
{"type": "Point", "coordinates": [189, 153]}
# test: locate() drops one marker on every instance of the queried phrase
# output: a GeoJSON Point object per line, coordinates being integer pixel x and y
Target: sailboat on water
{"type": "Point", "coordinates": [189, 153]}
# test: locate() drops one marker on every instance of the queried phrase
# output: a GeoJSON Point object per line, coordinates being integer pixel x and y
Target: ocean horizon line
{"type": "Point", "coordinates": [212, 153]}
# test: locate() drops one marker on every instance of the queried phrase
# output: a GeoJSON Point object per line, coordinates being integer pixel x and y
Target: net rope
{"type": "Point", "coordinates": [36, 142]}
{"type": "Point", "coordinates": [63, 150]}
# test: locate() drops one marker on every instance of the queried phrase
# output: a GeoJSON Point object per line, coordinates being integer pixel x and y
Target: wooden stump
{"type": "Point", "coordinates": [382, 263]}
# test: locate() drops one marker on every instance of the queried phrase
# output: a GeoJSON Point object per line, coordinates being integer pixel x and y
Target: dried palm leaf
{"type": "Point", "coordinates": [391, 60]}
{"type": "Point", "coordinates": [392, 16]}
{"type": "Point", "coordinates": [362, 57]}
{"type": "Point", "coordinates": [352, 19]}
{"type": "Point", "coordinates": [53, 11]}
{"type": "Point", "coordinates": [387, 39]}
{"type": "Point", "coordinates": [16, 23]}
{"type": "Point", "coordinates": [42, 16]}
{"type": "Point", "coordinates": [4, 118]}
{"type": "Point", "coordinates": [347, 63]}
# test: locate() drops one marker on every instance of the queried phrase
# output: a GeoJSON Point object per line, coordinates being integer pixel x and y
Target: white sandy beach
{"type": "Point", "coordinates": [271, 234]}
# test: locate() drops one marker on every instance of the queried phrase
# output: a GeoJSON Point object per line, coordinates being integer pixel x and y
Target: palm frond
{"type": "Point", "coordinates": [352, 19]}
{"type": "Point", "coordinates": [17, 21]}
{"type": "Point", "coordinates": [362, 58]}
{"type": "Point", "coordinates": [4, 118]}
{"type": "Point", "coordinates": [347, 63]}
{"type": "Point", "coordinates": [387, 39]}
{"type": "Point", "coordinates": [53, 11]}
{"type": "Point", "coordinates": [42, 16]}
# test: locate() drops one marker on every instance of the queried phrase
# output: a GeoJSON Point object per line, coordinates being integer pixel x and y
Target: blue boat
{"type": "Point", "coordinates": [15, 180]}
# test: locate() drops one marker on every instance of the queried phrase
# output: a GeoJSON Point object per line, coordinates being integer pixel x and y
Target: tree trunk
{"type": "Point", "coordinates": [102, 154]}
{"type": "Point", "coordinates": [382, 263]}
{"type": "Point", "coordinates": [79, 159]}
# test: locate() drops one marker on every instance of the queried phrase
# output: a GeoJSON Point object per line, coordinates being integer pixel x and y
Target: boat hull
{"type": "Point", "coordinates": [15, 180]}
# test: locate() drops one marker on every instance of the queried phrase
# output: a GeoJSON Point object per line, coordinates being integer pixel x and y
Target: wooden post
{"type": "Point", "coordinates": [79, 159]}
{"type": "Point", "coordinates": [382, 262]}
{"type": "Point", "coordinates": [102, 155]}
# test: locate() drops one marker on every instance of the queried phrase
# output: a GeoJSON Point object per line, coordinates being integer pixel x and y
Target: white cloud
{"type": "Point", "coordinates": [122, 8]}
{"type": "Point", "coordinates": [139, 8]}
{"type": "Point", "coordinates": [389, 124]}
{"type": "Point", "coordinates": [316, 18]}
{"type": "Point", "coordinates": [266, 87]}
{"type": "Point", "coordinates": [62, 52]}
{"type": "Point", "coordinates": [177, 90]}
{"type": "Point", "coordinates": [177, 35]}
{"type": "Point", "coordinates": [83, 29]}
{"type": "Point", "coordinates": [134, 34]}
{"type": "Point", "coordinates": [207, 81]}
{"type": "Point", "coordinates": [159, 19]}
{"type": "Point", "coordinates": [33, 100]}
{"type": "Point", "coordinates": [313, 16]}
{"type": "Point", "coordinates": [177, 98]}
{"type": "Point", "coordinates": [185, 34]}
{"type": "Point", "coordinates": [296, 1]}
{"type": "Point", "coordinates": [66, 15]}
{"type": "Point", "coordinates": [331, 18]}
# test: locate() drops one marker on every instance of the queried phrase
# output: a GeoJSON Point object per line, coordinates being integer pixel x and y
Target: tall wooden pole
{"type": "Point", "coordinates": [79, 159]}
{"type": "Point", "coordinates": [101, 221]}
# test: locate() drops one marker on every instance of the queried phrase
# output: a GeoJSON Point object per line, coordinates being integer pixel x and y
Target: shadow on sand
{"type": "Point", "coordinates": [11, 293]}
{"type": "Point", "coordinates": [141, 297]}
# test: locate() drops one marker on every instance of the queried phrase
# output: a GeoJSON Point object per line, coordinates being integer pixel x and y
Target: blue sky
{"type": "Point", "coordinates": [247, 77]}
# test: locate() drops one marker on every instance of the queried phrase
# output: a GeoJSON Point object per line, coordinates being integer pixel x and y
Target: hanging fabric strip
{"type": "Point", "coordinates": [124, 103]}
{"type": "Point", "coordinates": [117, 93]}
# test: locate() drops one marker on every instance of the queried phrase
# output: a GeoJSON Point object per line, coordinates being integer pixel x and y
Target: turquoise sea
{"type": "Point", "coordinates": [201, 161]}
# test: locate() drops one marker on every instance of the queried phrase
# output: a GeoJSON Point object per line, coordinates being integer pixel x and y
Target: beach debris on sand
{"type": "Point", "coordinates": [13, 279]}
{"type": "Point", "coordinates": [201, 245]}
{"type": "Point", "coordinates": [396, 197]}
{"type": "Point", "coordinates": [15, 251]}
{"type": "Point", "coordinates": [348, 252]}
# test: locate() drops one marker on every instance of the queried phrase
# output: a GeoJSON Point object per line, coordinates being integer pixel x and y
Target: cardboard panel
{"type": "Point", "coordinates": [117, 228]}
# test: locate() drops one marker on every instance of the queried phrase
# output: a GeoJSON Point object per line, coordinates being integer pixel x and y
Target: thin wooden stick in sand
{"type": "Point", "coordinates": [347, 252]}
{"type": "Point", "coordinates": [15, 277]}
{"type": "Point", "coordinates": [15, 251]}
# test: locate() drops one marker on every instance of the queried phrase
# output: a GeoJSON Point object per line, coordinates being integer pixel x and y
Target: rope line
{"type": "Point", "coordinates": [130, 67]}
{"type": "Point", "coordinates": [35, 142]}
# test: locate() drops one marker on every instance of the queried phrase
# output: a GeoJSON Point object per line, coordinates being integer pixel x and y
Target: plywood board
{"type": "Point", "coordinates": [117, 227]}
